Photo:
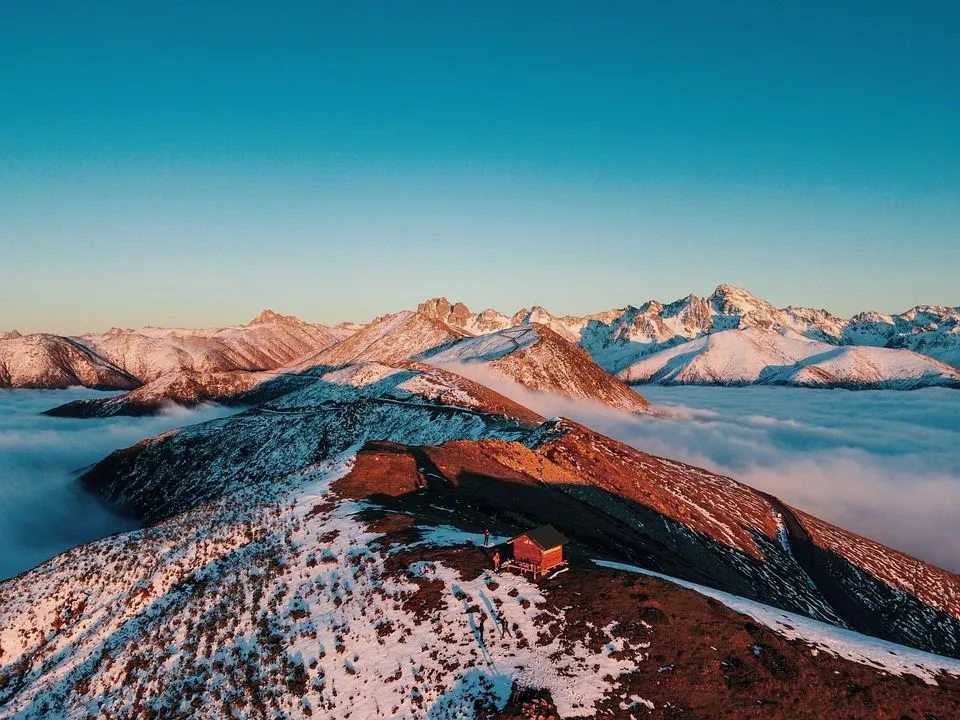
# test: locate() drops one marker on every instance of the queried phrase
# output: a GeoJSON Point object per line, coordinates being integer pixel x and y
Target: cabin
{"type": "Point", "coordinates": [538, 551]}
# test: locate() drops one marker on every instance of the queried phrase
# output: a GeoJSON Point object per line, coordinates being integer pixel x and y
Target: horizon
{"type": "Point", "coordinates": [193, 165]}
{"type": "Point", "coordinates": [475, 309]}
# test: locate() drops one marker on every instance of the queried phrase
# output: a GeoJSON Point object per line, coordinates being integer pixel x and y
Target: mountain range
{"type": "Point", "coordinates": [728, 338]}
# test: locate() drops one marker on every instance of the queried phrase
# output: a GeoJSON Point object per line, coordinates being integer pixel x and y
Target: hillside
{"type": "Point", "coordinates": [539, 359]}
{"type": "Point", "coordinates": [318, 555]}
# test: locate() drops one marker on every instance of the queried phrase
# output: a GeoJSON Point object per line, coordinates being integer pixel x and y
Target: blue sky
{"type": "Point", "coordinates": [192, 163]}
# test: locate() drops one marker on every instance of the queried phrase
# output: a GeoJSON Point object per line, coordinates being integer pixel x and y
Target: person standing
{"type": "Point", "coordinates": [486, 538]}
{"type": "Point", "coordinates": [504, 625]}
{"type": "Point", "coordinates": [496, 561]}
{"type": "Point", "coordinates": [483, 619]}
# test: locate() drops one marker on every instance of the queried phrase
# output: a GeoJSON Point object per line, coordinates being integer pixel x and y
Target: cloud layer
{"type": "Point", "coordinates": [884, 464]}
{"type": "Point", "coordinates": [43, 510]}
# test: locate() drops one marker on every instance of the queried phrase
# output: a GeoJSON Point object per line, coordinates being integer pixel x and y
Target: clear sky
{"type": "Point", "coordinates": [193, 162]}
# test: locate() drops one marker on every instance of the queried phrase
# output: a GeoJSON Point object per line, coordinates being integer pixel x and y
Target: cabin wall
{"type": "Point", "coordinates": [527, 551]}
{"type": "Point", "coordinates": [552, 557]}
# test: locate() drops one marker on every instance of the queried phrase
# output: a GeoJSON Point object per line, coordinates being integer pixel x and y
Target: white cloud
{"type": "Point", "coordinates": [43, 510]}
{"type": "Point", "coordinates": [884, 464]}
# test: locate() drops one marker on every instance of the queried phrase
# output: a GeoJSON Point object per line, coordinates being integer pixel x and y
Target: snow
{"type": "Point", "coordinates": [445, 535]}
{"type": "Point", "coordinates": [737, 357]}
{"type": "Point", "coordinates": [296, 591]}
{"type": "Point", "coordinates": [863, 649]}
{"type": "Point", "coordinates": [487, 347]}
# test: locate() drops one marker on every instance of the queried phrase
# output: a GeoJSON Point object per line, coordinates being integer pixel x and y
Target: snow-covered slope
{"type": "Point", "coordinates": [269, 341]}
{"type": "Point", "coordinates": [388, 339]}
{"type": "Point", "coordinates": [51, 361]}
{"type": "Point", "coordinates": [758, 356]}
{"type": "Point", "coordinates": [123, 359]}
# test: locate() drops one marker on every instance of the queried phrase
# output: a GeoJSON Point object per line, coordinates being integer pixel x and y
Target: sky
{"type": "Point", "coordinates": [192, 163]}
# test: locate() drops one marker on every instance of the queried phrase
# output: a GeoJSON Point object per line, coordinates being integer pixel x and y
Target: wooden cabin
{"type": "Point", "coordinates": [538, 551]}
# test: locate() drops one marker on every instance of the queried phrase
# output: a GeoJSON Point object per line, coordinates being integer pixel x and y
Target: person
{"type": "Point", "coordinates": [496, 561]}
{"type": "Point", "coordinates": [483, 619]}
{"type": "Point", "coordinates": [486, 538]}
{"type": "Point", "coordinates": [504, 625]}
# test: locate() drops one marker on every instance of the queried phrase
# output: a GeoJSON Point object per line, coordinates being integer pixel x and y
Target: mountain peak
{"type": "Point", "coordinates": [440, 309]}
{"type": "Point", "coordinates": [732, 291]}
{"type": "Point", "coordinates": [269, 316]}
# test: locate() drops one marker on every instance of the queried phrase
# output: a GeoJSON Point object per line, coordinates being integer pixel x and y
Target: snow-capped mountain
{"type": "Point", "coordinates": [622, 338]}
{"type": "Point", "coordinates": [123, 359]}
{"type": "Point", "coordinates": [269, 341]}
{"type": "Point", "coordinates": [51, 361]}
{"type": "Point", "coordinates": [531, 355]}
{"type": "Point", "coordinates": [757, 356]}
{"type": "Point", "coordinates": [759, 343]}
{"type": "Point", "coordinates": [319, 555]}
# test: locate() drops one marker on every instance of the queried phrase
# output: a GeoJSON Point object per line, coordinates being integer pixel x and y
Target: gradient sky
{"type": "Point", "coordinates": [191, 163]}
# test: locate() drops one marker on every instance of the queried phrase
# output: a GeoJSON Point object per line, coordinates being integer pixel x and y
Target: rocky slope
{"type": "Point", "coordinates": [317, 556]}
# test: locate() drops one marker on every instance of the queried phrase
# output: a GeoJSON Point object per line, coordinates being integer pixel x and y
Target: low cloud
{"type": "Point", "coordinates": [43, 509]}
{"type": "Point", "coordinates": [884, 464]}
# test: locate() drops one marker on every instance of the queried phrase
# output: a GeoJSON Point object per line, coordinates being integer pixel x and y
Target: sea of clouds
{"type": "Point", "coordinates": [43, 509]}
{"type": "Point", "coordinates": [884, 464]}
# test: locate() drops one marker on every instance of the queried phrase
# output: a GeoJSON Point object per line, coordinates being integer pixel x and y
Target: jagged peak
{"type": "Point", "coordinates": [732, 291]}
{"type": "Point", "coordinates": [269, 316]}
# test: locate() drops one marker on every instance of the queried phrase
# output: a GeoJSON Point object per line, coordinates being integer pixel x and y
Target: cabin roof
{"type": "Point", "coordinates": [546, 536]}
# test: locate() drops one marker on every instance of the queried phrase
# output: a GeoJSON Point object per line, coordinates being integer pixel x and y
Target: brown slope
{"type": "Point", "coordinates": [677, 519]}
{"type": "Point", "coordinates": [537, 358]}
{"type": "Point", "coordinates": [555, 364]}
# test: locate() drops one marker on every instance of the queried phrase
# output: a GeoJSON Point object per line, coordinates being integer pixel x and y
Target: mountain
{"type": "Point", "coordinates": [125, 359]}
{"type": "Point", "coordinates": [626, 341]}
{"type": "Point", "coordinates": [759, 357]}
{"type": "Point", "coordinates": [319, 556]}
{"type": "Point", "coordinates": [611, 498]}
{"type": "Point", "coordinates": [390, 338]}
{"type": "Point", "coordinates": [538, 358]}
{"type": "Point", "coordinates": [52, 361]}
{"type": "Point", "coordinates": [764, 344]}
{"type": "Point", "coordinates": [186, 388]}
{"type": "Point", "coordinates": [531, 355]}
{"type": "Point", "coordinates": [269, 341]}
